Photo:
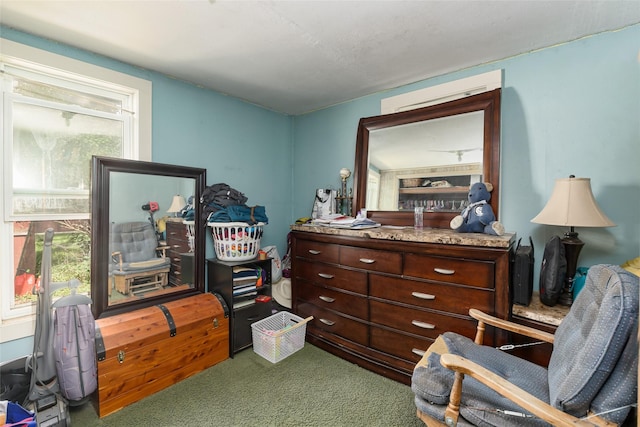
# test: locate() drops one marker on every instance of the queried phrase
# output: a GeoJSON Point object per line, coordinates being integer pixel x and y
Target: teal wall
{"type": "Point", "coordinates": [569, 109]}
{"type": "Point", "coordinates": [134, 190]}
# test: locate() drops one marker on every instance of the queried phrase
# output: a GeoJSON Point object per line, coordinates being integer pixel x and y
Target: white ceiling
{"type": "Point", "coordinates": [299, 56]}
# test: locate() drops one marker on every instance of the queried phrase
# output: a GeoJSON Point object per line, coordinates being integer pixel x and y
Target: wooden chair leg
{"type": "Point", "coordinates": [479, 333]}
{"type": "Point", "coordinates": [452, 412]}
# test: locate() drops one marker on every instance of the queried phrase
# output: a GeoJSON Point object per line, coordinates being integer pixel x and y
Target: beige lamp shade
{"type": "Point", "coordinates": [177, 204]}
{"type": "Point", "coordinates": [572, 204]}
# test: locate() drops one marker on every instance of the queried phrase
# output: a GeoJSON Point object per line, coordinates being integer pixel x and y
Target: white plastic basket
{"type": "Point", "coordinates": [236, 241]}
{"type": "Point", "coordinates": [279, 335]}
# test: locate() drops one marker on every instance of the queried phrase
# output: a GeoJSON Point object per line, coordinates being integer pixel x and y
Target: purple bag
{"type": "Point", "coordinates": [74, 347]}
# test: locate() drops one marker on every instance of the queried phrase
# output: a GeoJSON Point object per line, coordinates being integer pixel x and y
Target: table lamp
{"type": "Point", "coordinates": [572, 204]}
{"type": "Point", "coordinates": [177, 204]}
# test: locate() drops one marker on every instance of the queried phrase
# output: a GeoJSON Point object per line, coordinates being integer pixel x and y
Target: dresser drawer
{"type": "Point", "coordinates": [175, 251]}
{"type": "Point", "coordinates": [317, 251]}
{"type": "Point", "coordinates": [404, 346]}
{"type": "Point", "coordinates": [419, 322]}
{"type": "Point", "coordinates": [331, 275]}
{"type": "Point", "coordinates": [356, 306]}
{"type": "Point", "coordinates": [371, 259]}
{"type": "Point", "coordinates": [175, 275]}
{"type": "Point", "coordinates": [243, 318]}
{"type": "Point", "coordinates": [452, 270]}
{"type": "Point", "coordinates": [175, 258]}
{"type": "Point", "coordinates": [436, 296]}
{"type": "Point", "coordinates": [331, 322]}
{"type": "Point", "coordinates": [177, 232]}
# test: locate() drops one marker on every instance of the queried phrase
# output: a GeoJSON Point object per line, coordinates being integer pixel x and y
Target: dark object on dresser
{"type": "Point", "coordinates": [552, 272]}
{"type": "Point", "coordinates": [144, 351]}
{"type": "Point", "coordinates": [522, 284]}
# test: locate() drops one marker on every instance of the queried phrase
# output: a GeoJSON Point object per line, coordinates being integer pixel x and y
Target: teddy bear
{"type": "Point", "coordinates": [478, 217]}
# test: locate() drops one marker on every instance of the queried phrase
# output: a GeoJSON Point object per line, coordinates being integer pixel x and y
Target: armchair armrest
{"type": "Point", "coordinates": [117, 254]}
{"type": "Point", "coordinates": [163, 250]}
{"type": "Point", "coordinates": [543, 410]}
{"type": "Point", "coordinates": [486, 319]}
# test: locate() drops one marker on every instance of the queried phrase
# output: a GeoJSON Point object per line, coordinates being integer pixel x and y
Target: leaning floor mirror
{"type": "Point", "coordinates": [146, 248]}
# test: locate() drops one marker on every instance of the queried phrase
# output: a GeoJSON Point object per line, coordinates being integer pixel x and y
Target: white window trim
{"type": "Point", "coordinates": [11, 51]}
{"type": "Point", "coordinates": [19, 323]}
{"type": "Point", "coordinates": [442, 93]}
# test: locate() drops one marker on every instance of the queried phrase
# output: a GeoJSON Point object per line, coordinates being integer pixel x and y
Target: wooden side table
{"type": "Point", "coordinates": [539, 316]}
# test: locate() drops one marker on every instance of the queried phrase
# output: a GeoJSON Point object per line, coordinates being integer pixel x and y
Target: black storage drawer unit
{"type": "Point", "coordinates": [244, 309]}
{"type": "Point", "coordinates": [243, 318]}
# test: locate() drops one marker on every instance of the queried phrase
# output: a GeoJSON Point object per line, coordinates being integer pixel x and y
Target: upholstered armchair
{"type": "Point", "coordinates": [591, 378]}
{"type": "Point", "coordinates": [139, 265]}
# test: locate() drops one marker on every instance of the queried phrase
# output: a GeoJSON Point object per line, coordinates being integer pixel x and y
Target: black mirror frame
{"type": "Point", "coordinates": [101, 169]}
{"type": "Point", "coordinates": [489, 102]}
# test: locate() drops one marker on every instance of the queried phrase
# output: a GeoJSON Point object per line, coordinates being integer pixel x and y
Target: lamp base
{"type": "Point", "coordinates": [572, 247]}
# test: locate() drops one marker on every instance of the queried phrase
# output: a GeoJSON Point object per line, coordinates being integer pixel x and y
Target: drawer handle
{"type": "Point", "coordinates": [418, 352]}
{"type": "Point", "coordinates": [444, 271]}
{"type": "Point", "coordinates": [422, 295]}
{"type": "Point", "coordinates": [314, 252]}
{"type": "Point", "coordinates": [326, 299]}
{"type": "Point", "coordinates": [367, 260]}
{"type": "Point", "coordinates": [325, 275]}
{"type": "Point", "coordinates": [327, 322]}
{"type": "Point", "coordinates": [423, 325]}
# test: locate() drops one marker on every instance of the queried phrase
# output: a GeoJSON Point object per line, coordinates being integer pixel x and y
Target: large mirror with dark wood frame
{"type": "Point", "coordinates": [427, 157]}
{"type": "Point", "coordinates": [147, 240]}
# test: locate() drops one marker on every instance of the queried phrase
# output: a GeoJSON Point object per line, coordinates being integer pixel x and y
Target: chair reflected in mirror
{"type": "Point", "coordinates": [138, 264]}
{"type": "Point", "coordinates": [591, 378]}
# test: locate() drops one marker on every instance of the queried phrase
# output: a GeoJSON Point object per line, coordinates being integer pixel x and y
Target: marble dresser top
{"type": "Point", "coordinates": [409, 234]}
{"type": "Point", "coordinates": [540, 312]}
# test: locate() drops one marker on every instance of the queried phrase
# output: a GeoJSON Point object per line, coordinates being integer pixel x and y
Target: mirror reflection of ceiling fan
{"type": "Point", "coordinates": [459, 153]}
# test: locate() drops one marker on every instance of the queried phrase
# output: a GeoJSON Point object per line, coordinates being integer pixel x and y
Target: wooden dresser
{"type": "Point", "coordinates": [381, 296]}
{"type": "Point", "coordinates": [178, 242]}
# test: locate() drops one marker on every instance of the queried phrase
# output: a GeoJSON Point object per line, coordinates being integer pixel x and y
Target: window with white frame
{"type": "Point", "coordinates": [56, 114]}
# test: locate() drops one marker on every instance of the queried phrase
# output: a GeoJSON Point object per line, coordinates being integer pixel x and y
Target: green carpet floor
{"type": "Point", "coordinates": [309, 388]}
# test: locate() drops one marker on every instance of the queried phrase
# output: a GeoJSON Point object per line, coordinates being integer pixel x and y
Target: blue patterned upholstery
{"type": "Point", "coordinates": [432, 383]}
{"type": "Point", "coordinates": [593, 365]}
{"type": "Point", "coordinates": [137, 243]}
{"type": "Point", "coordinates": [590, 340]}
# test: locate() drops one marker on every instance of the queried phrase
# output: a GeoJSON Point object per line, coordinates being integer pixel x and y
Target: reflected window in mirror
{"type": "Point", "coordinates": [143, 252]}
{"type": "Point", "coordinates": [427, 157]}
{"type": "Point", "coordinates": [433, 166]}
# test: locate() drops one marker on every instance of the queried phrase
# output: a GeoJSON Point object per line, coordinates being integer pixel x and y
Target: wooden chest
{"type": "Point", "coordinates": [147, 350]}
